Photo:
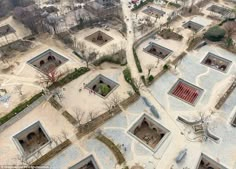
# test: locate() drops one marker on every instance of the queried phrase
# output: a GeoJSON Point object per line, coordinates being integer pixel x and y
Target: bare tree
{"type": "Point", "coordinates": [50, 77]}
{"type": "Point", "coordinates": [108, 105]}
{"type": "Point", "coordinates": [64, 134]}
{"type": "Point", "coordinates": [59, 138]}
{"type": "Point", "coordinates": [230, 28]}
{"type": "Point", "coordinates": [54, 140]}
{"type": "Point", "coordinates": [138, 83]}
{"type": "Point", "coordinates": [115, 99]}
{"type": "Point", "coordinates": [91, 115]}
{"type": "Point", "coordinates": [112, 102]}
{"type": "Point", "coordinates": [79, 115]}
{"type": "Point", "coordinates": [88, 54]}
{"type": "Point", "coordinates": [58, 93]}
{"type": "Point", "coordinates": [149, 67]}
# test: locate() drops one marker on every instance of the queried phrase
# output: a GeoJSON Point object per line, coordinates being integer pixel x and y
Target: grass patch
{"type": "Point", "coordinates": [137, 62]}
{"type": "Point", "coordinates": [115, 150]}
{"type": "Point", "coordinates": [20, 108]}
{"type": "Point", "coordinates": [129, 79]}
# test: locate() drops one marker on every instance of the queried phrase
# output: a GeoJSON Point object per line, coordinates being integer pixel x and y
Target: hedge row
{"type": "Point", "coordinates": [68, 78]}
{"type": "Point", "coordinates": [136, 59]}
{"type": "Point", "coordinates": [19, 108]}
{"type": "Point", "coordinates": [119, 156]}
{"type": "Point", "coordinates": [129, 79]}
{"type": "Point", "coordinates": [136, 7]}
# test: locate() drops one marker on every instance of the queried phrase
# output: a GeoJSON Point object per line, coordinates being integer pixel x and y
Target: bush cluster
{"type": "Point", "coordinates": [129, 79]}
{"type": "Point", "coordinates": [215, 34]}
{"type": "Point", "coordinates": [150, 78]}
{"type": "Point", "coordinates": [136, 59]}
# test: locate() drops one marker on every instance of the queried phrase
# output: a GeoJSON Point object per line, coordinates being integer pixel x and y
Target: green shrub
{"type": "Point", "coordinates": [129, 79]}
{"type": "Point", "coordinates": [143, 79]}
{"type": "Point", "coordinates": [104, 89]}
{"type": "Point", "coordinates": [150, 78]}
{"type": "Point", "coordinates": [215, 34]}
{"type": "Point", "coordinates": [166, 67]}
{"type": "Point", "coordinates": [136, 59]}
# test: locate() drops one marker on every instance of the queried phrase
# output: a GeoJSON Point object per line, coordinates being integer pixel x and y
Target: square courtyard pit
{"type": "Point", "coordinates": [197, 23]}
{"type": "Point", "coordinates": [219, 10]}
{"type": "Point", "coordinates": [102, 86]}
{"type": "Point", "coordinates": [154, 12]}
{"type": "Point", "coordinates": [149, 132]}
{"type": "Point", "coordinates": [216, 62]}
{"type": "Point", "coordinates": [186, 92]}
{"type": "Point", "coordinates": [87, 163]}
{"type": "Point", "coordinates": [99, 38]}
{"type": "Point", "coordinates": [206, 162]}
{"type": "Point", "coordinates": [52, 124]}
{"type": "Point", "coordinates": [16, 28]}
{"type": "Point", "coordinates": [193, 26]}
{"type": "Point", "coordinates": [5, 30]}
{"type": "Point", "coordinates": [158, 50]}
{"type": "Point", "coordinates": [48, 61]}
{"type": "Point", "coordinates": [31, 139]}
{"type": "Point", "coordinates": [78, 96]}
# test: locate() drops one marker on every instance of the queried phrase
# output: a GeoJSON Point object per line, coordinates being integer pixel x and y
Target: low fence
{"type": "Point", "coordinates": [90, 126]}
{"type": "Point", "coordinates": [52, 153]}
{"type": "Point", "coordinates": [130, 100]}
